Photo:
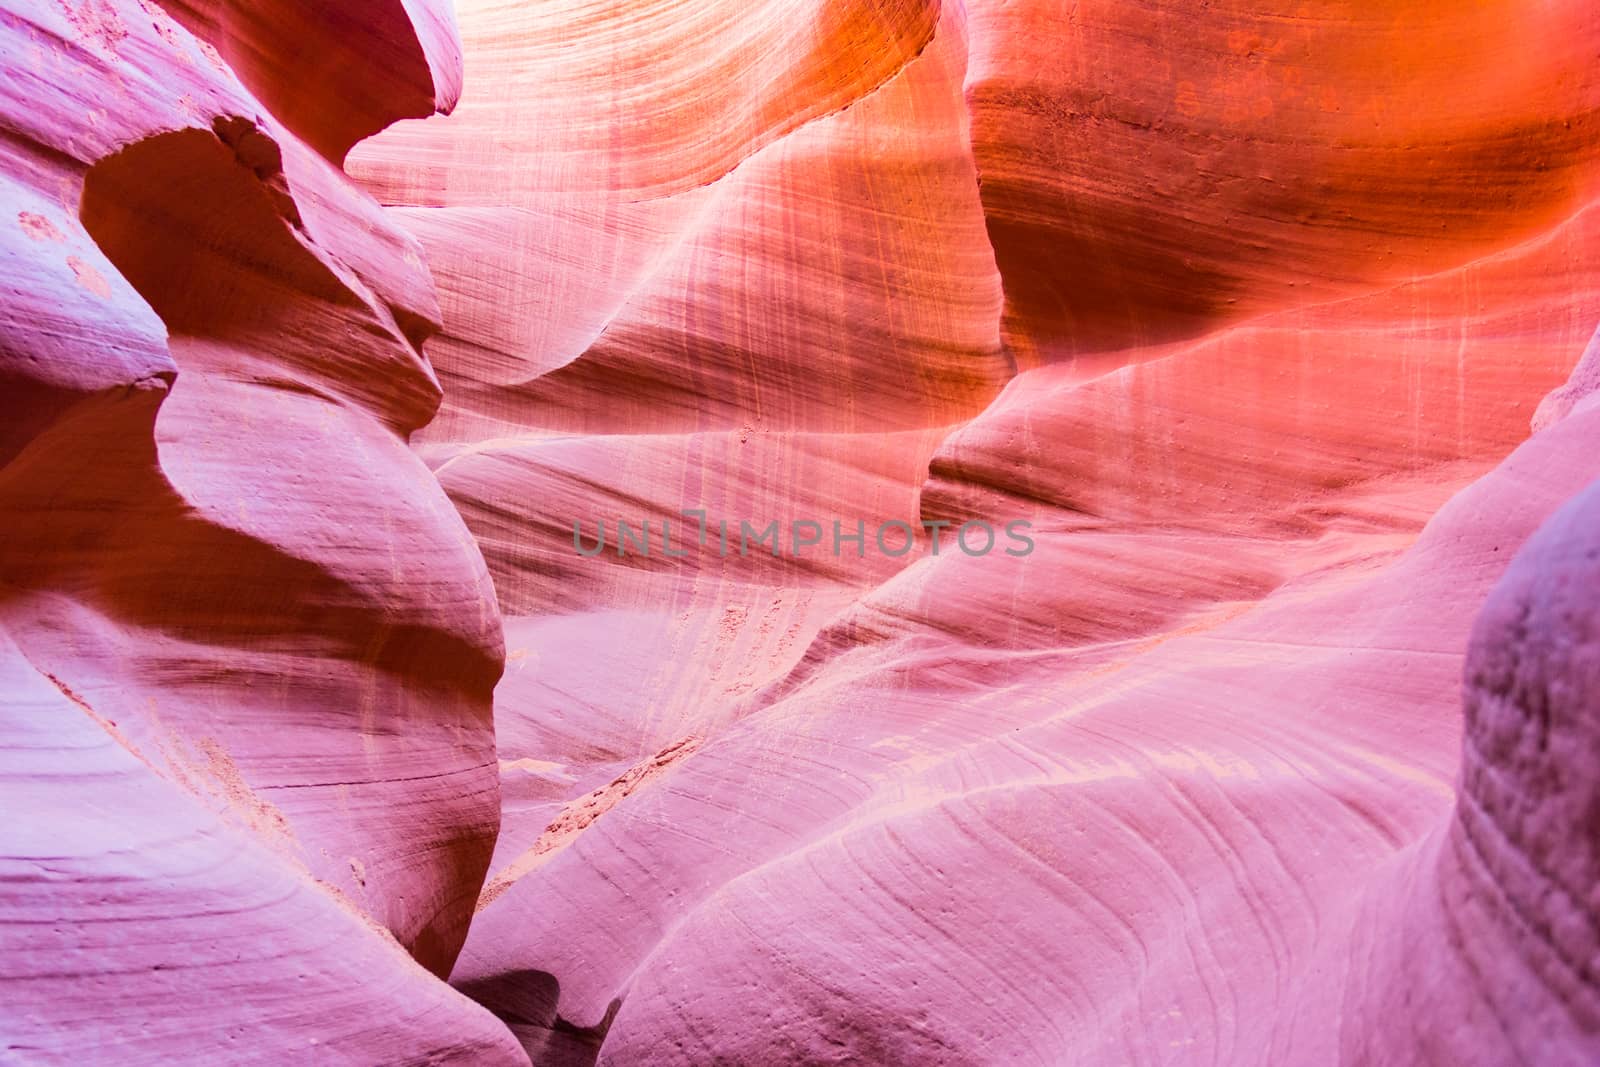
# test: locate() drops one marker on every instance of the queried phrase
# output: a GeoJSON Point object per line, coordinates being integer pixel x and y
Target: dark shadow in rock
{"type": "Point", "coordinates": [527, 1002]}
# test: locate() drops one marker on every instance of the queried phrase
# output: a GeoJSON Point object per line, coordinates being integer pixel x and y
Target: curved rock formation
{"type": "Point", "coordinates": [334, 74]}
{"type": "Point", "coordinates": [1273, 324]}
{"type": "Point", "coordinates": [249, 647]}
{"type": "Point", "coordinates": [1154, 170]}
{"type": "Point", "coordinates": [1280, 282]}
{"type": "Point", "coordinates": [1492, 913]}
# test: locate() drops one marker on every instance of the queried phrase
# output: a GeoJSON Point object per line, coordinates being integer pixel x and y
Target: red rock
{"type": "Point", "coordinates": [908, 830]}
{"type": "Point", "coordinates": [1270, 320]}
{"type": "Point", "coordinates": [335, 74]}
{"type": "Point", "coordinates": [1154, 170]}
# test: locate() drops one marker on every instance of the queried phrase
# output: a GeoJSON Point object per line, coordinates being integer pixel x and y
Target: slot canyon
{"type": "Point", "coordinates": [908, 533]}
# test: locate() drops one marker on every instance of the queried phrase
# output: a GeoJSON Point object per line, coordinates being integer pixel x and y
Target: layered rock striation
{"type": "Point", "coordinates": [1248, 310]}
{"type": "Point", "coordinates": [248, 645]}
{"type": "Point", "coordinates": [1273, 324]}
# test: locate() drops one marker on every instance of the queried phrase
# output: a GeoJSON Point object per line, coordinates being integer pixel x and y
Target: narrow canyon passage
{"type": "Point", "coordinates": [1100, 522]}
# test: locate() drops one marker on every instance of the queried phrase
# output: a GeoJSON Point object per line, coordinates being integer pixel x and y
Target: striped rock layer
{"type": "Point", "coordinates": [1277, 323]}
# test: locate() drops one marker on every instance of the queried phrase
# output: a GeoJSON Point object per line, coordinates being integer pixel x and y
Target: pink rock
{"type": "Point", "coordinates": [1269, 320]}
{"type": "Point", "coordinates": [249, 646]}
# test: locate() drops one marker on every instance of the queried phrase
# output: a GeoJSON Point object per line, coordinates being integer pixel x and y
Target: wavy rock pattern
{"type": "Point", "coordinates": [1189, 165]}
{"type": "Point", "coordinates": [248, 646]}
{"type": "Point", "coordinates": [1276, 321]}
{"type": "Point", "coordinates": [1278, 290]}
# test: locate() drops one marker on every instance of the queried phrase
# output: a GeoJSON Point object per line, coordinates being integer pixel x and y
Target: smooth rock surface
{"type": "Point", "coordinates": [1263, 305]}
{"type": "Point", "coordinates": [1277, 323]}
{"type": "Point", "coordinates": [248, 646]}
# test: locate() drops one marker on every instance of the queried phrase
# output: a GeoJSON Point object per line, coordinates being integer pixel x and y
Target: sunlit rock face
{"type": "Point", "coordinates": [1250, 310]}
{"type": "Point", "coordinates": [326, 739]}
{"type": "Point", "coordinates": [1154, 170]}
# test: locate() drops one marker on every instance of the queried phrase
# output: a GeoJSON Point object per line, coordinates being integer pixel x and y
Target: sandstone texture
{"type": "Point", "coordinates": [248, 645]}
{"type": "Point", "coordinates": [1277, 324]}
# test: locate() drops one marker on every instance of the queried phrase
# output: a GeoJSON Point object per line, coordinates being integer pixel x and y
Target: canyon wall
{"type": "Point", "coordinates": [1247, 308]}
{"type": "Point", "coordinates": [325, 739]}
{"type": "Point", "coordinates": [248, 646]}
